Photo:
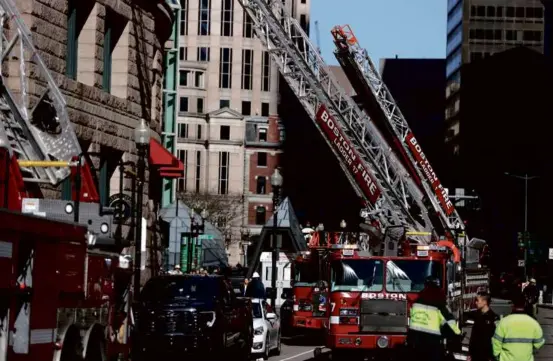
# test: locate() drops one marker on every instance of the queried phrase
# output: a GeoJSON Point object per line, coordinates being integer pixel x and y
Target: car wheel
{"type": "Point", "coordinates": [267, 348]}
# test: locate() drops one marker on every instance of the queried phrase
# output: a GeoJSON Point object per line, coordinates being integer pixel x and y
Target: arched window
{"type": "Point", "coordinates": [260, 214]}
{"type": "Point", "coordinates": [261, 185]}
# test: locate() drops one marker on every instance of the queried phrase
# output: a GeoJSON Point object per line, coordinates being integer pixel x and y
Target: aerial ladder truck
{"type": "Point", "coordinates": [64, 289]}
{"type": "Point", "coordinates": [400, 203]}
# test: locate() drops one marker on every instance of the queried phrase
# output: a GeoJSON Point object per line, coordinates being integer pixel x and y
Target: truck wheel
{"type": "Point", "coordinates": [317, 352]}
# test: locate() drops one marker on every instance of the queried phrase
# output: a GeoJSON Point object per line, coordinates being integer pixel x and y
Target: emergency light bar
{"type": "Point", "coordinates": [304, 254]}
{"type": "Point", "coordinates": [422, 251]}
{"type": "Point", "coordinates": [344, 246]}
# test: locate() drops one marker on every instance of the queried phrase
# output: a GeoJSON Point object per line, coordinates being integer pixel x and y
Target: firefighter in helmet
{"type": "Point", "coordinates": [431, 322]}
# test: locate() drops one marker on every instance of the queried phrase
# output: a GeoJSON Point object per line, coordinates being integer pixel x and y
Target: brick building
{"type": "Point", "coordinates": [106, 56]}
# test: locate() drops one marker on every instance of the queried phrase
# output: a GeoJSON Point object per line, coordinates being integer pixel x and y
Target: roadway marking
{"type": "Point", "coordinates": [298, 355]}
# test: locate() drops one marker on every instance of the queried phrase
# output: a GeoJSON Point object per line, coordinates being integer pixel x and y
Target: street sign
{"type": "Point", "coordinates": [121, 202]}
{"type": "Point", "coordinates": [521, 263]}
{"type": "Point", "coordinates": [550, 253]}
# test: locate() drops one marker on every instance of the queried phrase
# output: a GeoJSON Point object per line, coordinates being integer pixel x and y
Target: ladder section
{"type": "Point", "coordinates": [371, 166]}
{"type": "Point", "coordinates": [43, 132]}
{"type": "Point", "coordinates": [368, 84]}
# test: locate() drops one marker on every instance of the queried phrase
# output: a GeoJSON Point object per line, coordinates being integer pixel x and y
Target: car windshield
{"type": "Point", "coordinates": [166, 289]}
{"type": "Point", "coordinates": [256, 310]}
{"type": "Point", "coordinates": [410, 275]}
{"type": "Point", "coordinates": [305, 274]}
{"type": "Point", "coordinates": [357, 275]}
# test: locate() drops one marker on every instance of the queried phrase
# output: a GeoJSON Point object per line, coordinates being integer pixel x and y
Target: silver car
{"type": "Point", "coordinates": [266, 330]}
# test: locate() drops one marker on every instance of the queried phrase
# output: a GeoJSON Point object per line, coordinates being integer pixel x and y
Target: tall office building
{"type": "Point", "coordinates": [477, 29]}
{"type": "Point", "coordinates": [227, 81]}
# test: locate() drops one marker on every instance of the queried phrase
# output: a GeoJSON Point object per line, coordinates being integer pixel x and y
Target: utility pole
{"type": "Point", "coordinates": [526, 239]}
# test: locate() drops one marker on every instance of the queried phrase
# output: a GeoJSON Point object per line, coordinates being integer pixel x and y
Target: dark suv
{"type": "Point", "coordinates": [194, 316]}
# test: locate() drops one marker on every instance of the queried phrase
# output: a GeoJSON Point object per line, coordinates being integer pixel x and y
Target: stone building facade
{"type": "Point", "coordinates": [106, 57]}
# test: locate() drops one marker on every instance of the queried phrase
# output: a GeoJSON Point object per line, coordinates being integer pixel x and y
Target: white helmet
{"type": "Point", "coordinates": [255, 275]}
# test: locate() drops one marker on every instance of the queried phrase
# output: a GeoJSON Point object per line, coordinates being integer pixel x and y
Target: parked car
{"type": "Point", "coordinates": [266, 328]}
{"type": "Point", "coordinates": [193, 316]}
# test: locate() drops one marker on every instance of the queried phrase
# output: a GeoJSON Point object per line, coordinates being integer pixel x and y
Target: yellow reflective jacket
{"type": "Point", "coordinates": [516, 336]}
{"type": "Point", "coordinates": [430, 319]}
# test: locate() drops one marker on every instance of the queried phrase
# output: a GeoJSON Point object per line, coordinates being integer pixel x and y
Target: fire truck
{"type": "Point", "coordinates": [64, 289]}
{"type": "Point", "coordinates": [374, 145]}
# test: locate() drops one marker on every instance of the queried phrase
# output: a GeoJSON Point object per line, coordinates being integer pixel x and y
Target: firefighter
{"type": "Point", "coordinates": [255, 288]}
{"type": "Point", "coordinates": [431, 322]}
{"type": "Point", "coordinates": [517, 335]}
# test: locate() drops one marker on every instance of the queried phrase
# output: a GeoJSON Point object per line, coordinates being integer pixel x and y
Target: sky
{"type": "Point", "coordinates": [386, 28]}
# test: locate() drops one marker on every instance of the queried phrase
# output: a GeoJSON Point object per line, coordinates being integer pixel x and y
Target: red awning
{"type": "Point", "coordinates": [167, 165]}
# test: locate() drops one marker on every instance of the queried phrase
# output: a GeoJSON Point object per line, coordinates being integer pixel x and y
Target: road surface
{"type": "Point", "coordinates": [298, 349]}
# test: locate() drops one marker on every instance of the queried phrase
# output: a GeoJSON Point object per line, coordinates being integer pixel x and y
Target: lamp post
{"type": "Point", "coordinates": [526, 178]}
{"type": "Point", "coordinates": [276, 183]}
{"type": "Point", "coordinates": [245, 235]}
{"type": "Point", "coordinates": [343, 226]}
{"type": "Point", "coordinates": [142, 141]}
{"type": "Point", "coordinates": [321, 229]}
{"type": "Point", "coordinates": [195, 230]}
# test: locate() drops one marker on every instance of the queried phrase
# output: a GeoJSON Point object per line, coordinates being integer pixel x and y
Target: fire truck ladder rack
{"type": "Point", "coordinates": [312, 82]}
{"type": "Point", "coordinates": [367, 82]}
{"type": "Point", "coordinates": [43, 132]}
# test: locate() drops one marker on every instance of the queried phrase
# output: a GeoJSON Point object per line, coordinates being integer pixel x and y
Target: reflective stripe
{"type": "Point", "coordinates": [522, 340]}
{"type": "Point", "coordinates": [423, 329]}
{"type": "Point", "coordinates": [425, 318]}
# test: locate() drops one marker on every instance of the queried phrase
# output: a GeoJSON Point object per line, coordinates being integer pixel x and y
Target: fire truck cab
{"type": "Point", "coordinates": [370, 296]}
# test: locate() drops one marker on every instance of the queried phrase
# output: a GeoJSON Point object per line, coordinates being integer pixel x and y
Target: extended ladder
{"type": "Point", "coordinates": [43, 132]}
{"type": "Point", "coordinates": [367, 82]}
{"type": "Point", "coordinates": [377, 175]}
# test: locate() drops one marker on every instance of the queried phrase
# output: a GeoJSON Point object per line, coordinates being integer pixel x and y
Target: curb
{"type": "Point", "coordinates": [547, 306]}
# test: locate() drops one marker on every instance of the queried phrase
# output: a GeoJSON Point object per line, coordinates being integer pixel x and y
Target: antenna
{"type": "Point", "coordinates": [318, 36]}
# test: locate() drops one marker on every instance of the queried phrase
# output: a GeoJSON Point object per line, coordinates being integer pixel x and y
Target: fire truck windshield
{"type": "Point", "coordinates": [408, 275]}
{"type": "Point", "coordinates": [357, 275]}
{"type": "Point", "coordinates": [305, 274]}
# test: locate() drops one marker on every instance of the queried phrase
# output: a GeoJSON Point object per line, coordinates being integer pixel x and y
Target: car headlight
{"type": "Point", "coordinates": [258, 331]}
{"type": "Point", "coordinates": [208, 318]}
{"type": "Point", "coordinates": [348, 312]}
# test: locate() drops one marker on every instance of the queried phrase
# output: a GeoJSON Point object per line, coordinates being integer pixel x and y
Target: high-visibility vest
{"type": "Point", "coordinates": [516, 336]}
{"type": "Point", "coordinates": [429, 319]}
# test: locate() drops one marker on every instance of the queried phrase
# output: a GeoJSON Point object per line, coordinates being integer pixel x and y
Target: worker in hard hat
{"type": "Point", "coordinates": [531, 295]}
{"type": "Point", "coordinates": [517, 335]}
{"type": "Point", "coordinates": [430, 322]}
{"type": "Point", "coordinates": [176, 270]}
{"type": "Point", "coordinates": [255, 288]}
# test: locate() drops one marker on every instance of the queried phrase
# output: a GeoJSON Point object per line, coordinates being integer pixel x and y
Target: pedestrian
{"type": "Point", "coordinates": [531, 294]}
{"type": "Point", "coordinates": [255, 288]}
{"type": "Point", "coordinates": [480, 346]}
{"type": "Point", "coordinates": [431, 322]}
{"type": "Point", "coordinates": [517, 335]}
{"type": "Point", "coordinates": [176, 270]}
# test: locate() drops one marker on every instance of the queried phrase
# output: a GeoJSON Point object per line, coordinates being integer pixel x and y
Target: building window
{"type": "Point", "coordinates": [264, 109]}
{"type": "Point", "coordinates": [183, 104]}
{"type": "Point", "coordinates": [183, 131]}
{"type": "Point", "coordinates": [104, 181]}
{"type": "Point", "coordinates": [183, 77]}
{"type": "Point", "coordinates": [224, 132]}
{"type": "Point", "coordinates": [247, 69]}
{"type": "Point", "coordinates": [203, 54]}
{"type": "Point", "coordinates": [223, 172]}
{"type": "Point", "coordinates": [247, 28]}
{"type": "Point", "coordinates": [198, 170]}
{"type": "Point", "coordinates": [183, 53]}
{"type": "Point", "coordinates": [199, 132]}
{"type": "Point", "coordinates": [246, 108]}
{"type": "Point", "coordinates": [260, 215]}
{"type": "Point", "coordinates": [226, 17]}
{"type": "Point", "coordinates": [261, 159]}
{"type": "Point", "coordinates": [261, 184]}
{"type": "Point", "coordinates": [225, 69]}
{"type": "Point", "coordinates": [183, 157]}
{"type": "Point", "coordinates": [303, 22]}
{"type": "Point", "coordinates": [265, 72]}
{"type": "Point", "coordinates": [200, 105]}
{"type": "Point", "coordinates": [73, 29]}
{"type": "Point", "coordinates": [262, 135]}
{"type": "Point", "coordinates": [224, 103]}
{"type": "Point", "coordinates": [204, 17]}
{"type": "Point", "coordinates": [199, 79]}
{"type": "Point", "coordinates": [184, 18]}
{"type": "Point", "coordinates": [108, 50]}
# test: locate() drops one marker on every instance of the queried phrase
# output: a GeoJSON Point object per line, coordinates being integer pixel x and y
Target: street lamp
{"type": "Point", "coordinates": [142, 141]}
{"type": "Point", "coordinates": [343, 224]}
{"type": "Point", "coordinates": [276, 183]}
{"type": "Point", "coordinates": [245, 236]}
{"type": "Point", "coordinates": [526, 178]}
{"type": "Point", "coordinates": [195, 230]}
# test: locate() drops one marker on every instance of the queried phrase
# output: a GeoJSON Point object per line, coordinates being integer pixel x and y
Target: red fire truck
{"type": "Point", "coordinates": [64, 289]}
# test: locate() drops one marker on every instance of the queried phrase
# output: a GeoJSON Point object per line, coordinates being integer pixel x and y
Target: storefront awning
{"type": "Point", "coordinates": [166, 164]}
